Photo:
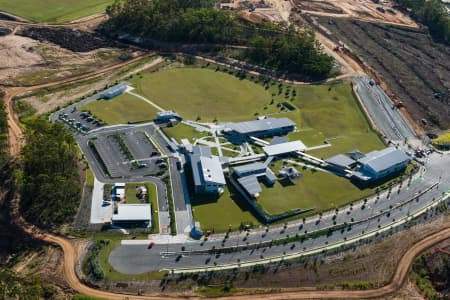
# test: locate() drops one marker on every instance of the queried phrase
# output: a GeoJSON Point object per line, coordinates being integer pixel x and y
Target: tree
{"type": "Point", "coordinates": [51, 186]}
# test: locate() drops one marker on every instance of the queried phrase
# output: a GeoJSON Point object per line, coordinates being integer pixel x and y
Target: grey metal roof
{"type": "Point", "coordinates": [270, 176]}
{"type": "Point", "coordinates": [250, 184]}
{"type": "Point", "coordinates": [201, 150]}
{"type": "Point", "coordinates": [384, 159]}
{"type": "Point", "coordinates": [279, 140]}
{"type": "Point", "coordinates": [205, 167]}
{"type": "Point", "coordinates": [284, 148]}
{"type": "Point", "coordinates": [355, 154]}
{"type": "Point", "coordinates": [115, 90]}
{"type": "Point", "coordinates": [167, 113]}
{"type": "Point", "coordinates": [250, 168]}
{"type": "Point", "coordinates": [259, 125]}
{"type": "Point", "coordinates": [133, 212]}
{"type": "Point", "coordinates": [211, 170]}
{"type": "Point", "coordinates": [340, 160]}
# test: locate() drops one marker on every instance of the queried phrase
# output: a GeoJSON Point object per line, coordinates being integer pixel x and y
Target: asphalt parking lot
{"type": "Point", "coordinates": [147, 160]}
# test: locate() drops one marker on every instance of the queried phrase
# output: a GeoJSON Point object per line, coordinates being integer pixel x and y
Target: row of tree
{"type": "Point", "coordinates": [3, 133]}
{"type": "Point", "coordinates": [433, 14]}
{"type": "Point", "coordinates": [295, 53]}
{"type": "Point", "coordinates": [271, 45]}
{"type": "Point", "coordinates": [50, 185]}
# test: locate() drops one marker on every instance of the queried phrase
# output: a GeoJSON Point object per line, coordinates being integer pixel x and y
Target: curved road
{"type": "Point", "coordinates": [15, 134]}
{"type": "Point", "coordinates": [71, 257]}
{"type": "Point", "coordinates": [397, 280]}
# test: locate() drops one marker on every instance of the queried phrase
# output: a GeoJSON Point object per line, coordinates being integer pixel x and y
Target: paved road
{"type": "Point", "coordinates": [134, 259]}
{"type": "Point", "coordinates": [380, 107]}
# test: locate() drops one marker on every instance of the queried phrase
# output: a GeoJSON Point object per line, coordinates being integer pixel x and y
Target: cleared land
{"type": "Point", "coordinates": [121, 109]}
{"type": "Point", "coordinates": [201, 93]}
{"type": "Point", "coordinates": [413, 66]}
{"type": "Point", "coordinates": [54, 11]}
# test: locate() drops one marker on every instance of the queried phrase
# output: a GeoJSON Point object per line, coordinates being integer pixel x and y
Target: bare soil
{"type": "Point", "coordinates": [319, 6]}
{"type": "Point", "coordinates": [407, 60]}
{"type": "Point", "coordinates": [365, 10]}
{"type": "Point", "coordinates": [25, 62]}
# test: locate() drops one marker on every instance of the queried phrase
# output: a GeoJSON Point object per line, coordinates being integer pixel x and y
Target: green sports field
{"type": "Point", "coordinates": [204, 95]}
{"type": "Point", "coordinates": [121, 109]}
{"type": "Point", "coordinates": [53, 11]}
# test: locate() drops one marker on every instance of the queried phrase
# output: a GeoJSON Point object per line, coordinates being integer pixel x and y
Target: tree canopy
{"type": "Point", "coordinates": [196, 21]}
{"type": "Point", "coordinates": [433, 14]}
{"type": "Point", "coordinates": [50, 184]}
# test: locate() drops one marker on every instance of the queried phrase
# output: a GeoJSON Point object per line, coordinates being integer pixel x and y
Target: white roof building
{"type": "Point", "coordinates": [133, 213]}
{"type": "Point", "coordinates": [284, 148]}
{"type": "Point", "coordinates": [207, 171]}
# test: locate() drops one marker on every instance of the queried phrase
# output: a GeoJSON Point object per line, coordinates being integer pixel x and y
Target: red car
{"type": "Point", "coordinates": [151, 244]}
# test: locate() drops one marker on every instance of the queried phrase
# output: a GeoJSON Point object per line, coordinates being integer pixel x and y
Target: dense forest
{"type": "Point", "coordinates": [433, 14]}
{"type": "Point", "coordinates": [195, 21]}
{"type": "Point", "coordinates": [51, 184]}
{"type": "Point", "coordinates": [296, 54]}
{"type": "Point", "coordinates": [13, 286]}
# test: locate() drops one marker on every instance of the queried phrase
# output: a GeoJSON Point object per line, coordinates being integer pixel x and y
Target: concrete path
{"type": "Point", "coordinates": [146, 100]}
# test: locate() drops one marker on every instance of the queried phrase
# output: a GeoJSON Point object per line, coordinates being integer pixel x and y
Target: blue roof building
{"type": "Point", "coordinates": [378, 164]}
{"type": "Point", "coordinates": [114, 91]}
{"type": "Point", "coordinates": [259, 128]}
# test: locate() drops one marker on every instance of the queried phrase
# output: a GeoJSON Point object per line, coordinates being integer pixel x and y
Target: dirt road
{"type": "Point", "coordinates": [71, 259]}
{"type": "Point", "coordinates": [15, 134]}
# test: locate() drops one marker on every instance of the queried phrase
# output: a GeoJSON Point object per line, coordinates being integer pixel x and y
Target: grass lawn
{"type": "Point", "coordinates": [54, 11]}
{"type": "Point", "coordinates": [333, 112]}
{"type": "Point", "coordinates": [131, 198]}
{"type": "Point", "coordinates": [183, 131]}
{"type": "Point", "coordinates": [217, 214]}
{"type": "Point", "coordinates": [204, 93]}
{"type": "Point", "coordinates": [318, 190]}
{"type": "Point", "coordinates": [121, 110]}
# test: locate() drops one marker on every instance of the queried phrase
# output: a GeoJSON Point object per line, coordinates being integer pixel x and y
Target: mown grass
{"type": "Point", "coordinates": [183, 131]}
{"type": "Point", "coordinates": [54, 11]}
{"type": "Point", "coordinates": [218, 213]}
{"type": "Point", "coordinates": [121, 109]}
{"type": "Point", "coordinates": [202, 93]}
{"type": "Point", "coordinates": [315, 189]}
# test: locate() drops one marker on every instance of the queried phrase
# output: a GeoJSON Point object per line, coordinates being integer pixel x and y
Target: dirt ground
{"type": "Point", "coordinates": [367, 10]}
{"type": "Point", "coordinates": [44, 103]}
{"type": "Point", "coordinates": [406, 59]}
{"type": "Point", "coordinates": [25, 61]}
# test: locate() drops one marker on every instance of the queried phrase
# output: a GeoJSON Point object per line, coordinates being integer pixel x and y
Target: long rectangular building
{"type": "Point", "coordinates": [379, 164]}
{"type": "Point", "coordinates": [207, 171]}
{"type": "Point", "coordinates": [260, 128]}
